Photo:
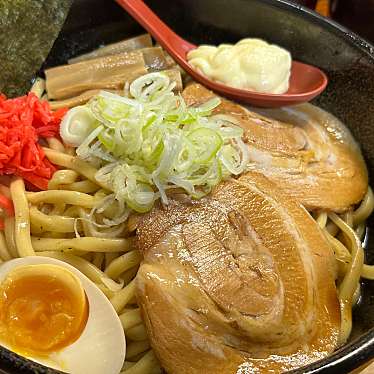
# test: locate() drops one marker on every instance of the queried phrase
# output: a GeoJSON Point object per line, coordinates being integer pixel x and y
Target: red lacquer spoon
{"type": "Point", "coordinates": [306, 81]}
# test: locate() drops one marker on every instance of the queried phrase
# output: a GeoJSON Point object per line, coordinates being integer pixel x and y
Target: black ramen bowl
{"type": "Point", "coordinates": [347, 59]}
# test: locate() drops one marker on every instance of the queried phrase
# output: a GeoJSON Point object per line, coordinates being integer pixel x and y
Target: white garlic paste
{"type": "Point", "coordinates": [251, 64]}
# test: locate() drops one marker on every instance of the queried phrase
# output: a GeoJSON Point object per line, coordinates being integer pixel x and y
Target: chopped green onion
{"type": "Point", "coordinates": [152, 142]}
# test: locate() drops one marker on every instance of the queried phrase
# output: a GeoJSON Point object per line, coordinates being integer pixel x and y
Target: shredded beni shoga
{"type": "Point", "coordinates": [150, 141]}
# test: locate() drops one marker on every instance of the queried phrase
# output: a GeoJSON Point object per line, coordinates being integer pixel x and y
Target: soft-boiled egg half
{"type": "Point", "coordinates": [52, 314]}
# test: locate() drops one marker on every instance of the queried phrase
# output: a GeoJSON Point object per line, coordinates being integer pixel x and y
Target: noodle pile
{"type": "Point", "coordinates": [346, 234]}
{"type": "Point", "coordinates": [45, 225]}
{"type": "Point", "coordinates": [59, 223]}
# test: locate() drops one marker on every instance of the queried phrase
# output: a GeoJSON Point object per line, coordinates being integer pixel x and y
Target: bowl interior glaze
{"type": "Point", "coordinates": [347, 59]}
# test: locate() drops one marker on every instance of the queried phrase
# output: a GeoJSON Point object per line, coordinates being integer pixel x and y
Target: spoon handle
{"type": "Point", "coordinates": [168, 39]}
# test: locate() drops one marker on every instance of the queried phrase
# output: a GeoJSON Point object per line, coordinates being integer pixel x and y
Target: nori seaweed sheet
{"type": "Point", "coordinates": [28, 29]}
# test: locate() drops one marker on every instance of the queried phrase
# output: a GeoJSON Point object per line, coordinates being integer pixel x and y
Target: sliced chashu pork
{"type": "Point", "coordinates": [238, 282]}
{"type": "Point", "coordinates": [306, 150]}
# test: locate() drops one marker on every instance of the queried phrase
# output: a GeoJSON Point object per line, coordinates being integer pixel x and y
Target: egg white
{"type": "Point", "coordinates": [101, 348]}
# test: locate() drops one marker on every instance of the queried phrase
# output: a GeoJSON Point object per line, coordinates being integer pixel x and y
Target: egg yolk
{"type": "Point", "coordinates": [43, 308]}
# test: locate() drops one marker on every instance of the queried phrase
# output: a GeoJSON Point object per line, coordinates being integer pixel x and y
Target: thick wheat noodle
{"type": "Point", "coordinates": [132, 222]}
{"type": "Point", "coordinates": [364, 210]}
{"type": "Point", "coordinates": [4, 251]}
{"type": "Point", "coordinates": [72, 211]}
{"type": "Point", "coordinates": [74, 163]}
{"type": "Point", "coordinates": [58, 209]}
{"type": "Point", "coordinates": [331, 228]}
{"type": "Point", "coordinates": [36, 230]}
{"type": "Point", "coordinates": [54, 223]}
{"type": "Point", "coordinates": [84, 266]}
{"type": "Point", "coordinates": [22, 219]}
{"type": "Point", "coordinates": [123, 263]}
{"type": "Point", "coordinates": [130, 318]}
{"type": "Point", "coordinates": [85, 186]}
{"type": "Point", "coordinates": [121, 298]}
{"type": "Point", "coordinates": [322, 219]}
{"type": "Point", "coordinates": [62, 196]}
{"type": "Point", "coordinates": [147, 364]}
{"type": "Point", "coordinates": [9, 236]}
{"type": "Point", "coordinates": [137, 333]}
{"type": "Point", "coordinates": [127, 365]}
{"type": "Point", "coordinates": [360, 230]}
{"type": "Point", "coordinates": [98, 259]}
{"type": "Point", "coordinates": [128, 275]}
{"type": "Point", "coordinates": [347, 217]}
{"type": "Point", "coordinates": [357, 294]}
{"type": "Point", "coordinates": [101, 193]}
{"type": "Point", "coordinates": [88, 256]}
{"type": "Point", "coordinates": [53, 234]}
{"type": "Point", "coordinates": [135, 348]}
{"type": "Point", "coordinates": [342, 254]}
{"type": "Point", "coordinates": [368, 272]}
{"type": "Point", "coordinates": [84, 218]}
{"type": "Point", "coordinates": [355, 219]}
{"type": "Point", "coordinates": [109, 257]}
{"type": "Point", "coordinates": [105, 290]}
{"type": "Point", "coordinates": [56, 145]}
{"type": "Point", "coordinates": [62, 177]}
{"type": "Point", "coordinates": [86, 244]}
{"type": "Point", "coordinates": [341, 251]}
